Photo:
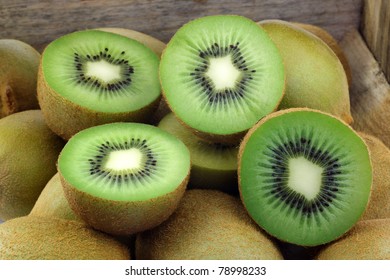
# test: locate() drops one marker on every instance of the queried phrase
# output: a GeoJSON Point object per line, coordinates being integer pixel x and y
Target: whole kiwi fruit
{"type": "Point", "coordinates": [28, 155]}
{"type": "Point", "coordinates": [368, 240]}
{"type": "Point", "coordinates": [379, 204]}
{"type": "Point", "coordinates": [315, 77]}
{"type": "Point", "coordinates": [208, 224]}
{"type": "Point", "coordinates": [45, 238]}
{"type": "Point", "coordinates": [18, 76]}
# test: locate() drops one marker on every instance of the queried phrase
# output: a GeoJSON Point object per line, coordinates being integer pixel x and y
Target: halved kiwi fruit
{"type": "Point", "coordinates": [304, 176]}
{"type": "Point", "coordinates": [214, 165]}
{"type": "Point", "coordinates": [122, 178]}
{"type": "Point", "coordinates": [220, 75]}
{"type": "Point", "coordinates": [315, 77]}
{"type": "Point", "coordinates": [18, 77]}
{"type": "Point", "coordinates": [92, 77]}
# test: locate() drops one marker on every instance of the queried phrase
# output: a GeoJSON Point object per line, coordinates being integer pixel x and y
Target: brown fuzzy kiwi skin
{"type": "Point", "coordinates": [279, 113]}
{"type": "Point", "coordinates": [379, 204]}
{"type": "Point", "coordinates": [332, 43]}
{"type": "Point", "coordinates": [334, 101]}
{"type": "Point", "coordinates": [28, 155]}
{"type": "Point", "coordinates": [208, 224]}
{"type": "Point", "coordinates": [367, 240]}
{"type": "Point", "coordinates": [18, 77]}
{"type": "Point", "coordinates": [44, 238]}
{"type": "Point", "coordinates": [122, 217]}
{"type": "Point", "coordinates": [66, 118]}
{"type": "Point", "coordinates": [52, 202]}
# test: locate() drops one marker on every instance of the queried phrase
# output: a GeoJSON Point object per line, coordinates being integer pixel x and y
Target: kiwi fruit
{"type": "Point", "coordinates": [122, 178]}
{"type": "Point", "coordinates": [208, 224]}
{"type": "Point", "coordinates": [18, 77]}
{"type": "Point", "coordinates": [214, 165]}
{"type": "Point", "coordinates": [379, 204]}
{"type": "Point", "coordinates": [52, 202]}
{"type": "Point", "coordinates": [92, 77]}
{"type": "Point", "coordinates": [28, 155]}
{"type": "Point", "coordinates": [315, 77]}
{"type": "Point", "coordinates": [368, 240]}
{"type": "Point", "coordinates": [331, 42]}
{"type": "Point", "coordinates": [45, 238]}
{"type": "Point", "coordinates": [221, 74]}
{"type": "Point", "coordinates": [304, 176]}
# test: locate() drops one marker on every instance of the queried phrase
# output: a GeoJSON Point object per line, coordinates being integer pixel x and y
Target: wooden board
{"type": "Point", "coordinates": [39, 22]}
{"type": "Point", "coordinates": [370, 91]}
{"type": "Point", "coordinates": [376, 31]}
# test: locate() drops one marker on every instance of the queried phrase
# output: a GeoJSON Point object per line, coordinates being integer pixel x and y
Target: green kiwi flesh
{"type": "Point", "coordinates": [304, 176]}
{"type": "Point", "coordinates": [122, 178]}
{"type": "Point", "coordinates": [214, 165]}
{"type": "Point", "coordinates": [45, 238]}
{"type": "Point", "coordinates": [52, 202]}
{"type": "Point", "coordinates": [220, 75]}
{"type": "Point", "coordinates": [92, 77]}
{"type": "Point", "coordinates": [18, 77]}
{"type": "Point", "coordinates": [315, 77]}
{"type": "Point", "coordinates": [208, 224]}
{"type": "Point", "coordinates": [368, 240]}
{"type": "Point", "coordinates": [28, 155]}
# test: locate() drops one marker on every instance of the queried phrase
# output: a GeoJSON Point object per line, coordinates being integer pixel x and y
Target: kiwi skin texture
{"type": "Point", "coordinates": [122, 217]}
{"type": "Point", "coordinates": [44, 238]}
{"type": "Point", "coordinates": [275, 114]}
{"type": "Point", "coordinates": [378, 206]}
{"type": "Point", "coordinates": [18, 77]}
{"type": "Point", "coordinates": [208, 224]}
{"type": "Point", "coordinates": [28, 155]}
{"type": "Point", "coordinates": [368, 240]}
{"type": "Point", "coordinates": [330, 88]}
{"type": "Point", "coordinates": [332, 43]}
{"type": "Point", "coordinates": [52, 202]}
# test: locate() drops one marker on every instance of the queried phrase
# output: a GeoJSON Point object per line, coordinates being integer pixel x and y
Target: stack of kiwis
{"type": "Point", "coordinates": [232, 141]}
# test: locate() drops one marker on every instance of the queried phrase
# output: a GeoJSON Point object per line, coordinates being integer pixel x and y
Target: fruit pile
{"type": "Point", "coordinates": [233, 141]}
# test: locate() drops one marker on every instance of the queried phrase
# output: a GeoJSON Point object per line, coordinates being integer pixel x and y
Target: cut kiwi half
{"type": "Point", "coordinates": [214, 165]}
{"type": "Point", "coordinates": [92, 77]}
{"type": "Point", "coordinates": [122, 178]}
{"type": "Point", "coordinates": [220, 75]}
{"type": "Point", "coordinates": [304, 176]}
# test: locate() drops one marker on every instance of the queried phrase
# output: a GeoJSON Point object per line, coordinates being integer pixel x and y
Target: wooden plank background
{"type": "Point", "coordinates": [39, 22]}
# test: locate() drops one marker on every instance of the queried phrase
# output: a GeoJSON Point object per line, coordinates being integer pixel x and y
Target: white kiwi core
{"type": "Point", "coordinates": [103, 71]}
{"type": "Point", "coordinates": [124, 160]}
{"type": "Point", "coordinates": [305, 177]}
{"type": "Point", "coordinates": [222, 72]}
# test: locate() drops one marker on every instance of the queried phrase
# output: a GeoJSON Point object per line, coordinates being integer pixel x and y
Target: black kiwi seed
{"type": "Point", "coordinates": [278, 156]}
{"type": "Point", "coordinates": [222, 95]}
{"type": "Point", "coordinates": [112, 87]}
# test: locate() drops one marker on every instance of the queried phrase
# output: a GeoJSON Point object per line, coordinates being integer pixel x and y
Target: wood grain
{"type": "Point", "coordinates": [376, 31]}
{"type": "Point", "coordinates": [370, 91]}
{"type": "Point", "coordinates": [39, 22]}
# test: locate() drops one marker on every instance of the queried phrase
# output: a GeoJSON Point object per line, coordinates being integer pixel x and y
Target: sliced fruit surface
{"type": "Point", "coordinates": [221, 74]}
{"type": "Point", "coordinates": [124, 161]}
{"type": "Point", "coordinates": [304, 176]}
{"type": "Point", "coordinates": [102, 71]}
